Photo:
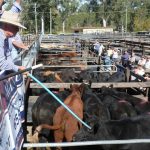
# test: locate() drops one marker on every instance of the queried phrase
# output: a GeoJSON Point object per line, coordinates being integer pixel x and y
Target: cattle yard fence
{"type": "Point", "coordinates": [87, 143]}
{"type": "Point", "coordinates": [93, 85]}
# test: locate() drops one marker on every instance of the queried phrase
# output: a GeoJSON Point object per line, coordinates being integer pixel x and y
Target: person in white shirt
{"type": "Point", "coordinates": [147, 63]}
{"type": "Point", "coordinates": [115, 55]}
{"type": "Point", "coordinates": [142, 61]}
{"type": "Point", "coordinates": [96, 46]}
{"type": "Point", "coordinates": [110, 51]}
{"type": "Point", "coordinates": [132, 58]}
{"type": "Point", "coordinates": [138, 70]}
{"type": "Point", "coordinates": [100, 49]}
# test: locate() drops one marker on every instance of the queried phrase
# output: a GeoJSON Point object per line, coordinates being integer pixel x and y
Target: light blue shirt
{"type": "Point", "coordinates": [97, 46]}
{"type": "Point", "coordinates": [6, 61]}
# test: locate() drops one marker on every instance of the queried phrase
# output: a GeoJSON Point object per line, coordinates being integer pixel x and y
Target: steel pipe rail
{"type": "Point", "coordinates": [103, 142]}
{"type": "Point", "coordinates": [96, 85]}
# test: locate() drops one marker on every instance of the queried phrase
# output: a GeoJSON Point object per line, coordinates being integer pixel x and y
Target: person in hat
{"type": "Point", "coordinates": [15, 43]}
{"type": "Point", "coordinates": [10, 24]}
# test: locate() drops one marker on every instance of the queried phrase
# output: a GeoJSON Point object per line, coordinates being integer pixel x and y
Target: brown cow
{"type": "Point", "coordinates": [57, 77]}
{"type": "Point", "coordinates": [70, 125]}
{"type": "Point", "coordinates": [64, 124]}
{"type": "Point", "coordinates": [65, 54]}
{"type": "Point", "coordinates": [68, 54]}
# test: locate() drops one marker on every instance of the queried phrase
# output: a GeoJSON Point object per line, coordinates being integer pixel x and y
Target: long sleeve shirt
{"type": "Point", "coordinates": [6, 62]}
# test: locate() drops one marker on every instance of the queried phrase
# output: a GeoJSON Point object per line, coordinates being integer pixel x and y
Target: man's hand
{"type": "Point", "coordinates": [22, 68]}
{"type": "Point", "coordinates": [25, 74]}
{"type": "Point", "coordinates": [26, 48]}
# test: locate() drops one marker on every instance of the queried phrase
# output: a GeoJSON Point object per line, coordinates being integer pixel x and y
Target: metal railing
{"type": "Point", "coordinates": [87, 143]}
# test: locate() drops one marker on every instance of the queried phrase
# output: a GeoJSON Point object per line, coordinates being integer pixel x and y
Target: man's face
{"type": "Point", "coordinates": [11, 30]}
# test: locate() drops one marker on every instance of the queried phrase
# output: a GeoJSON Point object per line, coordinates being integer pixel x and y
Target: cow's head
{"type": "Point", "coordinates": [99, 131]}
{"type": "Point", "coordinates": [86, 134]}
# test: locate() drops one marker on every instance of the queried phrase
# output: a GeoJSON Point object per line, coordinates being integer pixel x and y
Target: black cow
{"type": "Point", "coordinates": [120, 109]}
{"type": "Point", "coordinates": [143, 107]}
{"type": "Point", "coordinates": [93, 105]}
{"type": "Point", "coordinates": [90, 75]}
{"type": "Point", "coordinates": [117, 104]}
{"type": "Point", "coordinates": [68, 75]}
{"type": "Point", "coordinates": [84, 75]}
{"type": "Point", "coordinates": [118, 76]}
{"type": "Point", "coordinates": [120, 95]}
{"type": "Point", "coordinates": [129, 128]}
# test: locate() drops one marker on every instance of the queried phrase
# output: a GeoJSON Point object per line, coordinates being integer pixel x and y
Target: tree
{"type": "Point", "coordinates": [67, 8]}
{"type": "Point", "coordinates": [133, 14]}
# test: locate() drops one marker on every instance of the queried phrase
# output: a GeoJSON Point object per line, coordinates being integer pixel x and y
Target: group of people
{"type": "Point", "coordinates": [108, 56]}
{"type": "Point", "coordinates": [137, 66]}
{"type": "Point", "coordinates": [142, 65]}
{"type": "Point", "coordinates": [10, 39]}
{"type": "Point", "coordinates": [113, 56]}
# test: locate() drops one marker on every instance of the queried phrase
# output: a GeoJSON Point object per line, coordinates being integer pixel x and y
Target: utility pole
{"type": "Point", "coordinates": [50, 21]}
{"type": "Point", "coordinates": [42, 24]}
{"type": "Point", "coordinates": [126, 15]}
{"type": "Point", "coordinates": [126, 18]}
{"type": "Point", "coordinates": [36, 29]}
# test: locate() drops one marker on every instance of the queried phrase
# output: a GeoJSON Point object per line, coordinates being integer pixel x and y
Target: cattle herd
{"type": "Point", "coordinates": [111, 113]}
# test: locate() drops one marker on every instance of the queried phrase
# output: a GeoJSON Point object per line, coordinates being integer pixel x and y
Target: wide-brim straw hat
{"type": "Point", "coordinates": [11, 18]}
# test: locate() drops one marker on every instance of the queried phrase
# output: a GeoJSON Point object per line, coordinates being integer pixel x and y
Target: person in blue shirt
{"type": "Point", "coordinates": [96, 47]}
{"type": "Point", "coordinates": [9, 27]}
{"type": "Point", "coordinates": [78, 46]}
{"type": "Point", "coordinates": [107, 62]}
{"type": "Point", "coordinates": [125, 59]}
{"type": "Point", "coordinates": [15, 42]}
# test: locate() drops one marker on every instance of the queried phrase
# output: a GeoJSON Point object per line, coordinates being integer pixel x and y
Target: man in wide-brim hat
{"type": "Point", "coordinates": [10, 24]}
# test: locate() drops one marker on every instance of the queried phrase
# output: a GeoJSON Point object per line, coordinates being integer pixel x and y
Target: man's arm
{"type": "Point", "coordinates": [19, 45]}
{"type": "Point", "coordinates": [16, 7]}
{"type": "Point", "coordinates": [17, 42]}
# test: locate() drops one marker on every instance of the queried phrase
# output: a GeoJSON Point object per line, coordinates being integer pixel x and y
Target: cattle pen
{"type": "Point", "coordinates": [62, 67]}
{"type": "Point", "coordinates": [48, 56]}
